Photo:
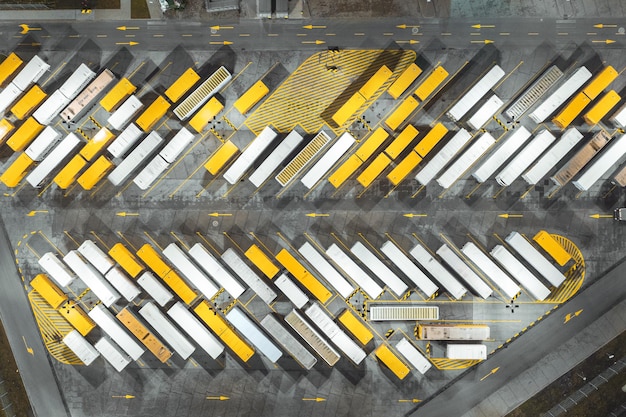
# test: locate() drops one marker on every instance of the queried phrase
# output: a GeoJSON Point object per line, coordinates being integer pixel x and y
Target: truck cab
{"type": "Point", "coordinates": [620, 214]}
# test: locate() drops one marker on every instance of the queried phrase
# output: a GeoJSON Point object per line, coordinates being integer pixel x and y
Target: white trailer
{"type": "Point", "coordinates": [177, 145]}
{"type": "Point", "coordinates": [477, 92]}
{"type": "Point", "coordinates": [441, 274]}
{"type": "Point", "coordinates": [124, 141]}
{"type": "Point", "coordinates": [344, 342]}
{"type": "Point", "coordinates": [43, 144]}
{"type": "Point", "coordinates": [144, 150]}
{"type": "Point", "coordinates": [491, 270]}
{"type": "Point", "coordinates": [534, 93]}
{"type": "Point", "coordinates": [248, 276]}
{"type": "Point", "coordinates": [56, 269]}
{"type": "Point", "coordinates": [535, 259]}
{"type": "Point", "coordinates": [560, 95]}
{"type": "Point", "coordinates": [525, 157]}
{"type": "Point", "coordinates": [31, 73]}
{"type": "Point", "coordinates": [409, 269]}
{"type": "Point", "coordinates": [59, 154]}
{"type": "Point", "coordinates": [582, 157]}
{"type": "Point", "coordinates": [312, 337]}
{"type": "Point", "coordinates": [352, 270]}
{"type": "Point", "coordinates": [254, 335]}
{"type": "Point", "coordinates": [81, 347]}
{"type": "Point", "coordinates": [464, 271]}
{"type": "Point", "coordinates": [326, 161]}
{"type": "Point", "coordinates": [379, 269]}
{"type": "Point", "coordinates": [112, 327]}
{"type": "Point", "coordinates": [122, 283]}
{"type": "Point", "coordinates": [514, 267]}
{"type": "Point", "coordinates": [485, 112]}
{"type": "Point", "coordinates": [77, 81]}
{"type": "Point", "coordinates": [619, 118]}
{"type": "Point", "coordinates": [7, 96]}
{"type": "Point", "coordinates": [216, 271]}
{"type": "Point", "coordinates": [113, 354]}
{"type": "Point", "coordinates": [562, 147]}
{"type": "Point", "coordinates": [414, 356]}
{"type": "Point", "coordinates": [293, 347]}
{"type": "Point", "coordinates": [88, 96]}
{"type": "Point", "coordinates": [443, 157]}
{"type": "Point", "coordinates": [151, 172]}
{"type": "Point", "coordinates": [611, 155]}
{"type": "Point", "coordinates": [92, 278]}
{"type": "Point", "coordinates": [190, 271]}
{"type": "Point", "coordinates": [155, 289]}
{"type": "Point", "coordinates": [274, 159]}
{"type": "Point", "coordinates": [167, 330]}
{"type": "Point", "coordinates": [51, 108]}
{"type": "Point", "coordinates": [129, 109]}
{"type": "Point", "coordinates": [474, 352]}
{"type": "Point", "coordinates": [96, 256]}
{"type": "Point", "coordinates": [509, 146]}
{"type": "Point", "coordinates": [252, 152]}
{"type": "Point", "coordinates": [196, 330]}
{"type": "Point", "coordinates": [297, 297]}
{"type": "Point", "coordinates": [466, 160]}
{"type": "Point", "coordinates": [326, 270]}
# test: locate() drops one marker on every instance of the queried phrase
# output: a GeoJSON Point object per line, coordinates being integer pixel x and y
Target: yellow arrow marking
{"type": "Point", "coordinates": [127, 396]}
{"type": "Point", "coordinates": [486, 41]}
{"type": "Point", "coordinates": [317, 399]}
{"type": "Point", "coordinates": [26, 29]}
{"type": "Point", "coordinates": [32, 213]}
{"type": "Point", "coordinates": [314, 27]}
{"type": "Point", "coordinates": [221, 43]}
{"type": "Point", "coordinates": [403, 26]}
{"type": "Point", "coordinates": [493, 371]}
{"type": "Point", "coordinates": [218, 27]}
{"type": "Point", "coordinates": [28, 348]}
{"type": "Point", "coordinates": [570, 316]}
{"type": "Point", "coordinates": [479, 26]}
{"type": "Point", "coordinates": [218, 398]}
{"type": "Point", "coordinates": [510, 216]}
{"type": "Point", "coordinates": [601, 216]}
{"type": "Point", "coordinates": [125, 213]}
{"type": "Point", "coordinates": [601, 26]}
{"type": "Point", "coordinates": [317, 42]}
{"type": "Point", "coordinates": [317, 214]}
{"type": "Point", "coordinates": [127, 28]}
{"type": "Point", "coordinates": [220, 214]}
{"type": "Point", "coordinates": [411, 215]}
{"type": "Point", "coordinates": [412, 400]}
{"type": "Point", "coordinates": [410, 42]}
{"type": "Point", "coordinates": [606, 41]}
{"type": "Point", "coordinates": [131, 43]}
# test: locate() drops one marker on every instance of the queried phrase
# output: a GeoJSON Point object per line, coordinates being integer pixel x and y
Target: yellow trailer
{"type": "Point", "coordinates": [403, 82]}
{"type": "Point", "coordinates": [374, 169]}
{"type": "Point", "coordinates": [392, 362]}
{"type": "Point", "coordinates": [77, 317]}
{"type": "Point", "coordinates": [152, 114]}
{"type": "Point", "coordinates": [8, 67]}
{"type": "Point", "coordinates": [431, 83]}
{"type": "Point", "coordinates": [12, 176]}
{"type": "Point", "coordinates": [372, 143]}
{"type": "Point", "coordinates": [375, 82]}
{"type": "Point", "coordinates": [251, 97]}
{"type": "Point", "coordinates": [404, 168]}
{"type": "Point", "coordinates": [126, 259]}
{"type": "Point", "coordinates": [344, 172]}
{"type": "Point", "coordinates": [221, 157]}
{"type": "Point", "coordinates": [70, 172]}
{"type": "Point", "coordinates": [206, 114]}
{"type": "Point", "coordinates": [24, 134]}
{"type": "Point", "coordinates": [571, 111]}
{"type": "Point", "coordinates": [183, 84]}
{"type": "Point", "coordinates": [356, 327]}
{"type": "Point", "coordinates": [400, 143]}
{"type": "Point", "coordinates": [552, 247]}
{"type": "Point", "coordinates": [401, 113]}
{"type": "Point", "coordinates": [6, 127]}
{"type": "Point", "coordinates": [305, 278]}
{"type": "Point", "coordinates": [600, 82]}
{"type": "Point", "coordinates": [28, 102]}
{"type": "Point", "coordinates": [117, 94]}
{"type": "Point", "coordinates": [262, 261]}
{"type": "Point", "coordinates": [601, 108]}
{"type": "Point", "coordinates": [431, 140]}
{"type": "Point", "coordinates": [48, 290]}
{"type": "Point", "coordinates": [95, 173]}
{"type": "Point", "coordinates": [348, 108]}
{"type": "Point", "coordinates": [100, 140]}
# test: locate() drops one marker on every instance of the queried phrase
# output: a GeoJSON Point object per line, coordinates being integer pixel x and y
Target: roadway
{"type": "Point", "coordinates": [26, 343]}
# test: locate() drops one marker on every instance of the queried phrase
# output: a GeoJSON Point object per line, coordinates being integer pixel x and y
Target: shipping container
{"type": "Point", "coordinates": [122, 283]}
{"type": "Point", "coordinates": [274, 159]}
{"type": "Point", "coordinates": [464, 271]}
{"type": "Point", "coordinates": [399, 144]}
{"type": "Point", "coordinates": [441, 274]}
{"type": "Point", "coordinates": [582, 157]}
{"type": "Point", "coordinates": [251, 97]}
{"type": "Point", "coordinates": [48, 290]}
{"type": "Point", "coordinates": [155, 112]}
{"type": "Point", "coordinates": [534, 93]}
{"type": "Point", "coordinates": [355, 326]}
{"type": "Point", "coordinates": [204, 92]}
{"type": "Point", "coordinates": [261, 261]}
{"type": "Point", "coordinates": [392, 362]}
{"type": "Point", "coordinates": [507, 147]}
{"type": "Point", "coordinates": [328, 160]}
{"type": "Point", "coordinates": [167, 330]}
{"type": "Point", "coordinates": [401, 113]}
{"type": "Point", "coordinates": [345, 171]}
{"type": "Point", "coordinates": [353, 271]}
{"type": "Point", "coordinates": [247, 275]}
{"type": "Point", "coordinates": [439, 161]}
{"type": "Point", "coordinates": [146, 148]}
{"type": "Point", "coordinates": [371, 144]}
{"type": "Point", "coordinates": [43, 144]}
{"type": "Point", "coordinates": [432, 138]}
{"type": "Point", "coordinates": [154, 288]}
{"type": "Point", "coordinates": [145, 336]}
{"type": "Point", "coordinates": [518, 271]}
{"type": "Point", "coordinates": [303, 158]}
{"type": "Point", "coordinates": [312, 338]}
{"type": "Point", "coordinates": [403, 312]}
{"type": "Point", "coordinates": [29, 101]}
{"type": "Point", "coordinates": [114, 330]}
{"type": "Point", "coordinates": [57, 270]}
{"type": "Point", "coordinates": [491, 270]}
{"type": "Point", "coordinates": [253, 333]}
{"type": "Point", "coordinates": [216, 271]}
{"type": "Point", "coordinates": [485, 112]}
{"type": "Point", "coordinates": [206, 114]}
{"type": "Point", "coordinates": [113, 354]}
{"type": "Point", "coordinates": [524, 158]}
{"type": "Point", "coordinates": [190, 271]}
{"type": "Point", "coordinates": [56, 157]}
{"type": "Point", "coordinates": [552, 247]}
{"type": "Point", "coordinates": [252, 152]}
{"type": "Point", "coordinates": [129, 109]}
{"type": "Point", "coordinates": [30, 73]}
{"type": "Point", "coordinates": [568, 141]}
{"type": "Point", "coordinates": [97, 143]}
{"type": "Point", "coordinates": [77, 317]}
{"type": "Point", "coordinates": [70, 172]}
{"type": "Point", "coordinates": [380, 270]}
{"type": "Point", "coordinates": [467, 352]}
{"type": "Point", "coordinates": [431, 83]}
{"type": "Point", "coordinates": [326, 270]}
{"type": "Point", "coordinates": [413, 356]}
{"type": "Point", "coordinates": [567, 115]}
{"type": "Point", "coordinates": [535, 259]}
{"type": "Point", "coordinates": [300, 273]}
{"type": "Point", "coordinates": [182, 84]}
{"type": "Point", "coordinates": [404, 264]}
{"type": "Point", "coordinates": [95, 173]}
{"type": "Point", "coordinates": [565, 90]}
{"type": "Point", "coordinates": [404, 81]}
{"type": "Point", "coordinates": [92, 278]}
{"type": "Point", "coordinates": [348, 109]}
{"type": "Point", "coordinates": [81, 347]}
{"type": "Point", "coordinates": [8, 67]}
{"type": "Point", "coordinates": [480, 88]}
{"type": "Point", "coordinates": [404, 167]}
{"type": "Point", "coordinates": [126, 259]}
{"type": "Point", "coordinates": [221, 157]}
{"type": "Point", "coordinates": [96, 256]}
{"type": "Point", "coordinates": [24, 134]}
{"type": "Point", "coordinates": [87, 98]}
{"type": "Point", "coordinates": [601, 165]}
{"type": "Point", "coordinates": [373, 170]}
{"type": "Point", "coordinates": [117, 94]}
{"type": "Point", "coordinates": [291, 345]}
{"type": "Point", "coordinates": [196, 330]}
{"type": "Point", "coordinates": [453, 331]}
{"type": "Point", "coordinates": [466, 161]}
{"type": "Point", "coordinates": [601, 108]}
{"type": "Point", "coordinates": [297, 297]}
{"type": "Point", "coordinates": [18, 169]}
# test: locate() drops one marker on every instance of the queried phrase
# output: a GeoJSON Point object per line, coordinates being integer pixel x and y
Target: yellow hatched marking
{"type": "Point", "coordinates": [446, 364]}
{"type": "Point", "coordinates": [294, 102]}
{"type": "Point", "coordinates": [574, 277]}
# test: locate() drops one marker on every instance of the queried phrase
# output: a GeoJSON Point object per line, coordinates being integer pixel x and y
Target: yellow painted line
{"type": "Point", "coordinates": [101, 36]}
{"type": "Point", "coordinates": [54, 73]}
{"type": "Point", "coordinates": [272, 34]}
{"type": "Point", "coordinates": [533, 33]}
{"type": "Point", "coordinates": [330, 34]}
{"type": "Point", "coordinates": [505, 33]}
{"type": "Point", "coordinates": [562, 33]}
{"type": "Point", "coordinates": [301, 34]}
{"type": "Point", "coordinates": [215, 35]}
{"type": "Point", "coordinates": [474, 34]}
{"type": "Point", "coordinates": [359, 34]}
{"type": "Point", "coordinates": [157, 36]}
{"type": "Point", "coordinates": [129, 36]}
{"type": "Point", "coordinates": [446, 34]}
{"type": "Point", "coordinates": [591, 33]}
{"type": "Point", "coordinates": [387, 34]}
{"type": "Point", "coordinates": [244, 34]}
{"type": "Point", "coordinates": [74, 36]}
{"type": "Point", "coordinates": [186, 35]}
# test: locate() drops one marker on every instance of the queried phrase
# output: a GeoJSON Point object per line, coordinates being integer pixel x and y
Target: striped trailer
{"type": "Point", "coordinates": [167, 330]}
{"type": "Point", "coordinates": [302, 159]}
{"type": "Point", "coordinates": [293, 347]}
{"type": "Point", "coordinates": [216, 271]}
{"type": "Point", "coordinates": [196, 330]}
{"type": "Point", "coordinates": [565, 90]}
{"type": "Point", "coordinates": [464, 271]}
{"type": "Point", "coordinates": [326, 270]}
{"type": "Point", "coordinates": [491, 270]}
{"type": "Point", "coordinates": [113, 354]}
{"type": "Point", "coordinates": [297, 297]}
{"type": "Point", "coordinates": [352, 270]}
{"type": "Point", "coordinates": [112, 327]}
{"type": "Point", "coordinates": [247, 275]}
{"type": "Point", "coordinates": [81, 347]}
{"type": "Point", "coordinates": [403, 312]}
{"type": "Point", "coordinates": [190, 271]}
{"type": "Point", "coordinates": [441, 274]}
{"type": "Point", "coordinates": [154, 288]}
{"type": "Point", "coordinates": [514, 267]}
{"type": "Point", "coordinates": [326, 324]}
{"type": "Point", "coordinates": [252, 152]}
{"type": "Point", "coordinates": [379, 269]}
{"type": "Point", "coordinates": [534, 93]}
{"type": "Point", "coordinates": [328, 160]}
{"type": "Point", "coordinates": [251, 331]}
{"type": "Point", "coordinates": [312, 337]}
{"type": "Point", "coordinates": [535, 259]}
{"type": "Point", "coordinates": [413, 356]}
{"type": "Point", "coordinates": [204, 92]}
